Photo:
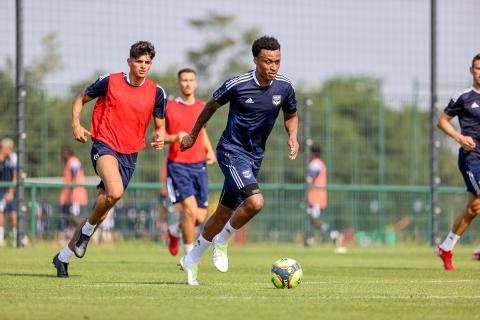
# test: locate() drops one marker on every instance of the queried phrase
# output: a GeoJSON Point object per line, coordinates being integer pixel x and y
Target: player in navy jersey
{"type": "Point", "coordinates": [465, 106]}
{"type": "Point", "coordinates": [8, 173]}
{"type": "Point", "coordinates": [256, 99]}
{"type": "Point", "coordinates": [126, 103]}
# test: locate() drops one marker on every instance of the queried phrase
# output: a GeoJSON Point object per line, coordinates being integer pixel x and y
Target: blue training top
{"type": "Point", "coordinates": [252, 114]}
{"type": "Point", "coordinates": [466, 105]}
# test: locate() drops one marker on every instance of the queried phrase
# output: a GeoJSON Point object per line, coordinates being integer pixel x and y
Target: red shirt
{"type": "Point", "coordinates": [182, 117]}
{"type": "Point", "coordinates": [121, 117]}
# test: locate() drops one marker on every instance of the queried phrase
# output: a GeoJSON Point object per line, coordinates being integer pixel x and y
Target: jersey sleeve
{"type": "Point", "coordinates": [223, 94]}
{"type": "Point", "coordinates": [290, 103]}
{"type": "Point", "coordinates": [160, 103]}
{"type": "Point", "coordinates": [98, 88]}
{"type": "Point", "coordinates": [454, 107]}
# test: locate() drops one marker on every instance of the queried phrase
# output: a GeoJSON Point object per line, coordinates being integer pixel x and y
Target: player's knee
{"type": "Point", "coordinates": [255, 203]}
{"type": "Point", "coordinates": [112, 196]}
{"type": "Point", "coordinates": [474, 208]}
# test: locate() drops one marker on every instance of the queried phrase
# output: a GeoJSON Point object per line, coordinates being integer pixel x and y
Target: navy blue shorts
{"type": "Point", "coordinates": [240, 174]}
{"type": "Point", "coordinates": [7, 206]}
{"type": "Point", "coordinates": [187, 179]}
{"type": "Point", "coordinates": [126, 162]}
{"type": "Point", "coordinates": [469, 165]}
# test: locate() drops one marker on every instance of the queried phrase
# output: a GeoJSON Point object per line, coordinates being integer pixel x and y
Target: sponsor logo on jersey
{"type": "Point", "coordinates": [276, 99]}
{"type": "Point", "coordinates": [249, 100]}
{"type": "Point", "coordinates": [474, 105]}
{"type": "Point", "coordinates": [247, 174]}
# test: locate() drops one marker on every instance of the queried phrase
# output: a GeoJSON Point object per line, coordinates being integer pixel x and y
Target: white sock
{"type": "Point", "coordinates": [225, 234]}
{"type": "Point", "coordinates": [188, 248]}
{"type": "Point", "coordinates": [88, 228]}
{"type": "Point", "coordinates": [2, 235]}
{"type": "Point", "coordinates": [450, 241]}
{"type": "Point", "coordinates": [174, 229]}
{"type": "Point", "coordinates": [477, 250]}
{"type": "Point", "coordinates": [14, 232]}
{"type": "Point", "coordinates": [65, 254]}
{"type": "Point", "coordinates": [201, 245]}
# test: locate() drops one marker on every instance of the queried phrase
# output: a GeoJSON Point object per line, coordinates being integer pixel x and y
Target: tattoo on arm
{"type": "Point", "coordinates": [210, 108]}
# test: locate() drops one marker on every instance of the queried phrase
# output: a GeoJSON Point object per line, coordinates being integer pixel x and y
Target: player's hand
{"type": "Point", "coordinates": [180, 135]}
{"type": "Point", "coordinates": [294, 146]}
{"type": "Point", "coordinates": [158, 140]}
{"type": "Point", "coordinates": [187, 142]}
{"type": "Point", "coordinates": [9, 196]}
{"type": "Point", "coordinates": [467, 143]}
{"type": "Point", "coordinates": [211, 158]}
{"type": "Point", "coordinates": [80, 133]}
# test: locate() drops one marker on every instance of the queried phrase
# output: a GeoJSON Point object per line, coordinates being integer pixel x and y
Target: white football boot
{"type": "Point", "coordinates": [190, 270]}
{"type": "Point", "coordinates": [220, 257]}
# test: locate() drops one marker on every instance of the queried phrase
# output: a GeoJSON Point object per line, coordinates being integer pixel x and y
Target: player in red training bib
{"type": "Point", "coordinates": [187, 180]}
{"type": "Point", "coordinates": [125, 105]}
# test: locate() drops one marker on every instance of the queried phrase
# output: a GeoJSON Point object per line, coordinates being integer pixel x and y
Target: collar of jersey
{"type": "Point", "coordinates": [256, 81]}
{"type": "Point", "coordinates": [127, 78]}
{"type": "Point", "coordinates": [180, 100]}
{"type": "Point", "coordinates": [477, 91]}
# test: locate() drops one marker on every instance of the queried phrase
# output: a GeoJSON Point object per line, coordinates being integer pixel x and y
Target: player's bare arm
{"type": "Point", "coordinates": [444, 124]}
{"type": "Point", "coordinates": [170, 138]}
{"type": "Point", "coordinates": [79, 132]}
{"type": "Point", "coordinates": [189, 140]}
{"type": "Point", "coordinates": [291, 126]}
{"type": "Point", "coordinates": [210, 157]}
{"type": "Point", "coordinates": [158, 134]}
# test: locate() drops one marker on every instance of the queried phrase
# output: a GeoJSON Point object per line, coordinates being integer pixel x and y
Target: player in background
{"type": "Point", "coordinates": [8, 173]}
{"type": "Point", "coordinates": [256, 99]}
{"type": "Point", "coordinates": [187, 179]}
{"type": "Point", "coordinates": [125, 105]}
{"type": "Point", "coordinates": [72, 200]}
{"type": "Point", "coordinates": [317, 196]}
{"type": "Point", "coordinates": [466, 106]}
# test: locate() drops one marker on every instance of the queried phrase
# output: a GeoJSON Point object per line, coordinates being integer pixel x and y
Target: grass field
{"type": "Point", "coordinates": [139, 280]}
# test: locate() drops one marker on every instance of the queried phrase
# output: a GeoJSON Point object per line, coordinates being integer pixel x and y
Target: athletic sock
{"type": "Point", "coordinates": [88, 229]}
{"type": "Point", "coordinates": [65, 254]}
{"type": "Point", "coordinates": [174, 230]}
{"type": "Point", "coordinates": [201, 245]}
{"type": "Point", "coordinates": [449, 241]}
{"type": "Point", "coordinates": [225, 234]}
{"type": "Point", "coordinates": [188, 248]}
{"type": "Point", "coordinates": [2, 235]}
{"type": "Point", "coordinates": [14, 233]}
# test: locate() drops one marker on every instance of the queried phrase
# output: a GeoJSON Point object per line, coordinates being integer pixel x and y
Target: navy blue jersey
{"type": "Point", "coordinates": [7, 169]}
{"type": "Point", "coordinates": [466, 106]}
{"type": "Point", "coordinates": [100, 87]}
{"type": "Point", "coordinates": [253, 110]}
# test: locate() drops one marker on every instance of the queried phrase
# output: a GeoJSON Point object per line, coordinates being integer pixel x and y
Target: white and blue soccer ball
{"type": "Point", "coordinates": [286, 273]}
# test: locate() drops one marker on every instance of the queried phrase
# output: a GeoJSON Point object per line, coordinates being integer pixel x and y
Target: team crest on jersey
{"type": "Point", "coordinates": [276, 99]}
{"type": "Point", "coordinates": [247, 174]}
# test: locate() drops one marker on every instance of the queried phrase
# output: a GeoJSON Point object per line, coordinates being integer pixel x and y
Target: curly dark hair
{"type": "Point", "coordinates": [141, 48]}
{"type": "Point", "coordinates": [265, 42]}
{"type": "Point", "coordinates": [477, 57]}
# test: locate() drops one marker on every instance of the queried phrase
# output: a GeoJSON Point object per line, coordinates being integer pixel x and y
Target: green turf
{"type": "Point", "coordinates": [141, 281]}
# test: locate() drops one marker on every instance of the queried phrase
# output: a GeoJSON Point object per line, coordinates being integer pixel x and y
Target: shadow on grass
{"type": "Point", "coordinates": [31, 275]}
{"type": "Point", "coordinates": [155, 283]}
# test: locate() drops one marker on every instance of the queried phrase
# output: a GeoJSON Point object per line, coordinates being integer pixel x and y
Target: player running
{"type": "Point", "coordinates": [187, 180]}
{"type": "Point", "coordinates": [256, 99]}
{"type": "Point", "coordinates": [8, 173]}
{"type": "Point", "coordinates": [466, 106]}
{"type": "Point", "coordinates": [125, 105]}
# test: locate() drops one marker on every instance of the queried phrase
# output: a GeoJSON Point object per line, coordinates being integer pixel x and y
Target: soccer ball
{"type": "Point", "coordinates": [286, 273]}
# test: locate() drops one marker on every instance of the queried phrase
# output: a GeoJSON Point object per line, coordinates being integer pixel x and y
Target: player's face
{"type": "Point", "coordinates": [139, 66]}
{"type": "Point", "coordinates": [268, 63]}
{"type": "Point", "coordinates": [475, 71]}
{"type": "Point", "coordinates": [187, 83]}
